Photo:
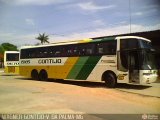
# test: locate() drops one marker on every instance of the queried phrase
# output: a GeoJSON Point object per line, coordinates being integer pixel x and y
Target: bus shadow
{"type": "Point", "coordinates": [9, 75]}
{"type": "Point", "coordinates": [91, 84]}
{"type": "Point", "coordinates": [23, 78]}
{"type": "Point", "coordinates": [71, 82]}
{"type": "Point", "coordinates": [79, 83]}
{"type": "Point", "coordinates": [98, 84]}
{"type": "Point", "coordinates": [131, 86]}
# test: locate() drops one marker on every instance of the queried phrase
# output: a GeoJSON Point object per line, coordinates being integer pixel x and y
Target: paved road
{"type": "Point", "coordinates": [152, 89]}
{"type": "Point", "coordinates": [21, 95]}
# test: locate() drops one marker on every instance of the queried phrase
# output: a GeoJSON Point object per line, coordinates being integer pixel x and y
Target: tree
{"type": "Point", "coordinates": [1, 56]}
{"type": "Point", "coordinates": [9, 47]}
{"type": "Point", "coordinates": [1, 49]}
{"type": "Point", "coordinates": [6, 47]}
{"type": "Point", "coordinates": [43, 38]}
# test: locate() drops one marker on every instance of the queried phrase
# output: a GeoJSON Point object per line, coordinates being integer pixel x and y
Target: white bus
{"type": "Point", "coordinates": [11, 62]}
{"type": "Point", "coordinates": [125, 59]}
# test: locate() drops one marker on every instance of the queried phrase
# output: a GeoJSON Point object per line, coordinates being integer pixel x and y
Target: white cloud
{"type": "Point", "coordinates": [29, 21]}
{"type": "Point", "coordinates": [90, 6]}
{"type": "Point", "coordinates": [138, 13]}
{"type": "Point", "coordinates": [18, 39]}
{"type": "Point", "coordinates": [149, 12]}
{"type": "Point", "coordinates": [104, 32]}
{"type": "Point", "coordinates": [98, 22]}
{"type": "Point", "coordinates": [3, 34]}
{"type": "Point", "coordinates": [29, 39]}
{"type": "Point", "coordinates": [33, 2]}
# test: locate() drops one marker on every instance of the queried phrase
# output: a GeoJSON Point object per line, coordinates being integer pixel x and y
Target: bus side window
{"type": "Point", "coordinates": [30, 53]}
{"type": "Point", "coordinates": [63, 51]}
{"type": "Point", "coordinates": [81, 49]}
{"type": "Point", "coordinates": [100, 50]}
{"type": "Point", "coordinates": [90, 49]}
{"type": "Point", "coordinates": [87, 49]}
{"type": "Point", "coordinates": [75, 50]}
{"type": "Point", "coordinates": [108, 48]}
{"type": "Point", "coordinates": [57, 52]}
{"type": "Point", "coordinates": [50, 52]}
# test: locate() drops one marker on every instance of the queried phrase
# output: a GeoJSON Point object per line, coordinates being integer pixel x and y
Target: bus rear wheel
{"type": "Point", "coordinates": [110, 80]}
{"type": "Point", "coordinates": [43, 76]}
{"type": "Point", "coordinates": [34, 74]}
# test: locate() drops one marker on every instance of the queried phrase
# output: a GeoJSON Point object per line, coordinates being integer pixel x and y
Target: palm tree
{"type": "Point", "coordinates": [43, 38]}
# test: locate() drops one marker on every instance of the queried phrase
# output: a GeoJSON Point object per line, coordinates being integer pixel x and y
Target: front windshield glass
{"type": "Point", "coordinates": [145, 44]}
{"type": "Point", "coordinates": [12, 57]}
{"type": "Point", "coordinates": [147, 59]}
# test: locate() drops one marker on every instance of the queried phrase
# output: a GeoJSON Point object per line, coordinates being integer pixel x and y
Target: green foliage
{"type": "Point", "coordinates": [1, 49]}
{"type": "Point", "coordinates": [7, 47]}
{"type": "Point", "coordinates": [43, 38]}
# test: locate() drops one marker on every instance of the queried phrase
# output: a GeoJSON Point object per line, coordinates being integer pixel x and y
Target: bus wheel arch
{"type": "Point", "coordinates": [43, 75]}
{"type": "Point", "coordinates": [34, 74]}
{"type": "Point", "coordinates": [110, 78]}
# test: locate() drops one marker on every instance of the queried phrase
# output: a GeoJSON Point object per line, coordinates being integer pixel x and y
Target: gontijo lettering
{"type": "Point", "coordinates": [46, 61]}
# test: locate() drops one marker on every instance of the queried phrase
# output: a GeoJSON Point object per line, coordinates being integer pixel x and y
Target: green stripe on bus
{"type": "Point", "coordinates": [88, 67]}
{"type": "Point", "coordinates": [103, 39]}
{"type": "Point", "coordinates": [77, 67]}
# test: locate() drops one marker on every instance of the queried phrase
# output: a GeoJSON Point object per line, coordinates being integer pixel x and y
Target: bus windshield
{"type": "Point", "coordinates": [12, 57]}
{"type": "Point", "coordinates": [145, 44]}
{"type": "Point", "coordinates": [147, 58]}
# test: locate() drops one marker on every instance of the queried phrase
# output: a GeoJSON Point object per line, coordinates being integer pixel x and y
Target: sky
{"type": "Point", "coordinates": [64, 20]}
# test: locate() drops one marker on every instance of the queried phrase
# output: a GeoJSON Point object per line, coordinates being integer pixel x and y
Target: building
{"type": "Point", "coordinates": [1, 61]}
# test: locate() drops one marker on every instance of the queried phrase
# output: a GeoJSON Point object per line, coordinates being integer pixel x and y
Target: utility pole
{"type": "Point", "coordinates": [130, 19]}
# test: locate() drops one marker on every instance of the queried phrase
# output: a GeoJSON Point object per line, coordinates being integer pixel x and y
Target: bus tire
{"type": "Point", "coordinates": [110, 80]}
{"type": "Point", "coordinates": [43, 76]}
{"type": "Point", "coordinates": [34, 74]}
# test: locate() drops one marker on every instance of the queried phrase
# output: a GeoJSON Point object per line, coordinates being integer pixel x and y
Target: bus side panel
{"type": "Point", "coordinates": [17, 69]}
{"type": "Point", "coordinates": [53, 71]}
{"type": "Point", "coordinates": [88, 67]}
{"type": "Point", "coordinates": [104, 64]}
{"type": "Point", "coordinates": [6, 69]}
{"type": "Point", "coordinates": [77, 68]}
{"type": "Point", "coordinates": [83, 67]}
{"type": "Point", "coordinates": [25, 71]}
{"type": "Point", "coordinates": [62, 71]}
{"type": "Point", "coordinates": [11, 69]}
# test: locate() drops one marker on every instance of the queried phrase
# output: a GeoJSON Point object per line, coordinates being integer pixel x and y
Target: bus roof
{"type": "Point", "coordinates": [125, 37]}
{"type": "Point", "coordinates": [11, 51]}
{"type": "Point", "coordinates": [88, 40]}
{"type": "Point", "coordinates": [59, 43]}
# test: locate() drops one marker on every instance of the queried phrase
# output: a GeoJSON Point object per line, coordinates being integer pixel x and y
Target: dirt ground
{"type": "Point", "coordinates": [21, 95]}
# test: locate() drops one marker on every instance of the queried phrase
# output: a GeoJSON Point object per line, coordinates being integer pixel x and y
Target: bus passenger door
{"type": "Point", "coordinates": [128, 64]}
{"type": "Point", "coordinates": [133, 67]}
{"type": "Point", "coordinates": [122, 67]}
{"type": "Point", "coordinates": [128, 59]}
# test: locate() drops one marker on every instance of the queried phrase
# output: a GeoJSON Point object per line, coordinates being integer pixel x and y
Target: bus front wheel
{"type": "Point", "coordinates": [34, 74]}
{"type": "Point", "coordinates": [43, 76]}
{"type": "Point", "coordinates": [110, 80]}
